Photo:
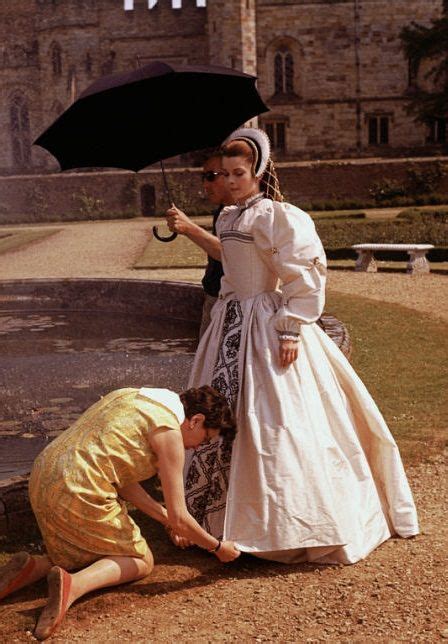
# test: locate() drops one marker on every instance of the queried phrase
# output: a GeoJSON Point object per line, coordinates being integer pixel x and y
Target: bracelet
{"type": "Point", "coordinates": [214, 550]}
{"type": "Point", "coordinates": [291, 337]}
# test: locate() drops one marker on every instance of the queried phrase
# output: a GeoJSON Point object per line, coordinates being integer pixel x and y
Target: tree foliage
{"type": "Point", "coordinates": [428, 44]}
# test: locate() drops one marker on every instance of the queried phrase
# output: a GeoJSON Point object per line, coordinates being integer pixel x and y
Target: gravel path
{"type": "Point", "coordinates": [109, 249]}
{"type": "Point", "coordinates": [397, 595]}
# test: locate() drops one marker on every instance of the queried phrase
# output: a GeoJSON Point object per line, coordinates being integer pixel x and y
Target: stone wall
{"type": "Point", "coordinates": [349, 65]}
{"type": "Point", "coordinates": [347, 58]}
{"type": "Point", "coordinates": [79, 196]}
{"type": "Point", "coordinates": [95, 38]}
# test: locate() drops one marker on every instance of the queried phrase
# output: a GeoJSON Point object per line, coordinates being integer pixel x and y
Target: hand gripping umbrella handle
{"type": "Point", "coordinates": [171, 237]}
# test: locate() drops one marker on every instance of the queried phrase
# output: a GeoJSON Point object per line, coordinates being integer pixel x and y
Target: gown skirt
{"type": "Point", "coordinates": [314, 473]}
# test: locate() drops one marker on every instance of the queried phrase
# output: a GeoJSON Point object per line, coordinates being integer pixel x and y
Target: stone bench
{"type": "Point", "coordinates": [417, 262]}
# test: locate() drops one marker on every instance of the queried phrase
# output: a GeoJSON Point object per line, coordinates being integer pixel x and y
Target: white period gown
{"type": "Point", "coordinates": [315, 474]}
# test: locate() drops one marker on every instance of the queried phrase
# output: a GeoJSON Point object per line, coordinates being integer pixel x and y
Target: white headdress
{"type": "Point", "coordinates": [260, 144]}
{"type": "Point", "coordinates": [263, 166]}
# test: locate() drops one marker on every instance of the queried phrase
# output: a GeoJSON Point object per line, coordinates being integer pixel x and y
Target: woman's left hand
{"type": "Point", "coordinates": [289, 352]}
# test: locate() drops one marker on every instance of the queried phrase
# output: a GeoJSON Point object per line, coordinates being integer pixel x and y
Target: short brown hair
{"type": "Point", "coordinates": [206, 400]}
{"type": "Point", "coordinates": [238, 148]}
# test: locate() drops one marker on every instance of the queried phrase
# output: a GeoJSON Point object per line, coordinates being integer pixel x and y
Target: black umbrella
{"type": "Point", "coordinates": [160, 110]}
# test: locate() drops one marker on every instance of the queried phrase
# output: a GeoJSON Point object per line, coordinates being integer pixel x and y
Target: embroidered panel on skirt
{"type": "Point", "coordinates": [225, 373]}
{"type": "Point", "coordinates": [208, 475]}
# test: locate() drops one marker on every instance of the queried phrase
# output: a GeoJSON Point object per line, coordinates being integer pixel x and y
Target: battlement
{"type": "Point", "coordinates": [175, 4]}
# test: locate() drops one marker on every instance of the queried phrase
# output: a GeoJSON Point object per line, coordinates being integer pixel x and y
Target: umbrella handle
{"type": "Point", "coordinates": [171, 237]}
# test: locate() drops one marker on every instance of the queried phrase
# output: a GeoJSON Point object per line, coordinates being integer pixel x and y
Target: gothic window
{"type": "Point", "coordinates": [88, 64]}
{"type": "Point", "coordinates": [109, 64]}
{"type": "Point", "coordinates": [413, 65]}
{"type": "Point", "coordinates": [437, 131]}
{"type": "Point", "coordinates": [20, 131]}
{"type": "Point", "coordinates": [276, 131]}
{"type": "Point", "coordinates": [278, 73]}
{"type": "Point", "coordinates": [378, 127]}
{"type": "Point", "coordinates": [283, 71]}
{"type": "Point", "coordinates": [56, 59]}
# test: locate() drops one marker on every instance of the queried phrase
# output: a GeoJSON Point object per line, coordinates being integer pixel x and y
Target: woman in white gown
{"type": "Point", "coordinates": [315, 474]}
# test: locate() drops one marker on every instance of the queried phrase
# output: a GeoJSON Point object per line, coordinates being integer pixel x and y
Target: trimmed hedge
{"type": "Point", "coordinates": [435, 255]}
{"type": "Point", "coordinates": [343, 234]}
{"type": "Point", "coordinates": [440, 215]}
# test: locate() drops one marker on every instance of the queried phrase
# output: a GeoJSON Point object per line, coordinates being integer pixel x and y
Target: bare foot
{"type": "Point", "coordinates": [18, 572]}
{"type": "Point", "coordinates": [59, 585]}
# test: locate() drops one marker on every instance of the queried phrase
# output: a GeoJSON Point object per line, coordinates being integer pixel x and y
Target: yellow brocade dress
{"type": "Point", "coordinates": [74, 481]}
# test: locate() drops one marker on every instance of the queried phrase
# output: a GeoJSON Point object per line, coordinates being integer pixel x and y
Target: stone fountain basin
{"type": "Point", "coordinates": [64, 343]}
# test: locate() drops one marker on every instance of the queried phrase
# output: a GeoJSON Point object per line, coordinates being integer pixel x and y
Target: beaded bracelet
{"type": "Point", "coordinates": [286, 336]}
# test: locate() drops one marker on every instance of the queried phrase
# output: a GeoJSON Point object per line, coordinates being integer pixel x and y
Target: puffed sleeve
{"type": "Point", "coordinates": [287, 240]}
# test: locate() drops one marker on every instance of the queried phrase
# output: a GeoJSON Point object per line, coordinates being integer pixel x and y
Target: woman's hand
{"type": "Point", "coordinates": [180, 542]}
{"type": "Point", "coordinates": [227, 552]}
{"type": "Point", "coordinates": [289, 352]}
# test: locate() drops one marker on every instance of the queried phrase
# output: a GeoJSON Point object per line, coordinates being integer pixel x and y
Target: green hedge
{"type": "Point", "coordinates": [438, 215]}
{"type": "Point", "coordinates": [439, 254]}
{"type": "Point", "coordinates": [343, 234]}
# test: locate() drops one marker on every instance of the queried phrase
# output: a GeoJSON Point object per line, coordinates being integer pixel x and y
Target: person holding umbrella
{"type": "Point", "coordinates": [215, 187]}
{"type": "Point", "coordinates": [315, 474]}
{"type": "Point", "coordinates": [80, 482]}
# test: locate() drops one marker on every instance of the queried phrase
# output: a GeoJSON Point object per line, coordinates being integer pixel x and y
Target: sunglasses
{"type": "Point", "coordinates": [210, 175]}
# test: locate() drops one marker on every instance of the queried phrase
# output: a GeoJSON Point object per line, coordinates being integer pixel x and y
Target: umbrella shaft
{"type": "Point", "coordinates": [165, 184]}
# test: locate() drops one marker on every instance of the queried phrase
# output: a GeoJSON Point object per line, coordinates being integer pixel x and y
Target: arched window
{"type": "Point", "coordinates": [56, 59]}
{"type": "Point", "coordinates": [413, 65]}
{"type": "Point", "coordinates": [289, 73]}
{"type": "Point", "coordinates": [88, 64]}
{"type": "Point", "coordinates": [283, 71]}
{"type": "Point", "coordinates": [20, 131]}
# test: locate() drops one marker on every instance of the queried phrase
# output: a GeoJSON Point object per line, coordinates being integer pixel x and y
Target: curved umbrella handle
{"type": "Point", "coordinates": [171, 237]}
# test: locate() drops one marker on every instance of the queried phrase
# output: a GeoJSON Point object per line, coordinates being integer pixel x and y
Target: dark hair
{"type": "Point", "coordinates": [206, 400]}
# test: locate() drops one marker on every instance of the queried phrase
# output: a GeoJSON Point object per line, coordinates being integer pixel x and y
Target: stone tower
{"type": "Point", "coordinates": [231, 26]}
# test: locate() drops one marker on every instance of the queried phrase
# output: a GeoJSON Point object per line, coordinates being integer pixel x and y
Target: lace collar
{"type": "Point", "coordinates": [249, 201]}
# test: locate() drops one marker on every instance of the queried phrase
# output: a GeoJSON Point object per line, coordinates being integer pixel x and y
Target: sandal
{"type": "Point", "coordinates": [59, 585]}
{"type": "Point", "coordinates": [15, 573]}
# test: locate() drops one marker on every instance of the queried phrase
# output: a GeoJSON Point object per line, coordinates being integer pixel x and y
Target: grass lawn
{"type": "Point", "coordinates": [399, 353]}
{"type": "Point", "coordinates": [180, 253]}
{"type": "Point", "coordinates": [401, 357]}
{"type": "Point", "coordinates": [13, 239]}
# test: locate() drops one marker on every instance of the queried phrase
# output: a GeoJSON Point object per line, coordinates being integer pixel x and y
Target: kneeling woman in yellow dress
{"type": "Point", "coordinates": [80, 482]}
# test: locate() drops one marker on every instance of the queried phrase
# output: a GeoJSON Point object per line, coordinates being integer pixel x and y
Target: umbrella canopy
{"type": "Point", "coordinates": [133, 119]}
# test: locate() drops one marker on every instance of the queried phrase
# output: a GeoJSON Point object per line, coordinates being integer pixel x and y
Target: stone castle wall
{"type": "Point", "coordinates": [348, 64]}
{"type": "Point", "coordinates": [78, 196]}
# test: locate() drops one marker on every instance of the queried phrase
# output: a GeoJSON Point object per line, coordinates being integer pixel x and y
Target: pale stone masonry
{"type": "Point", "coordinates": [332, 72]}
